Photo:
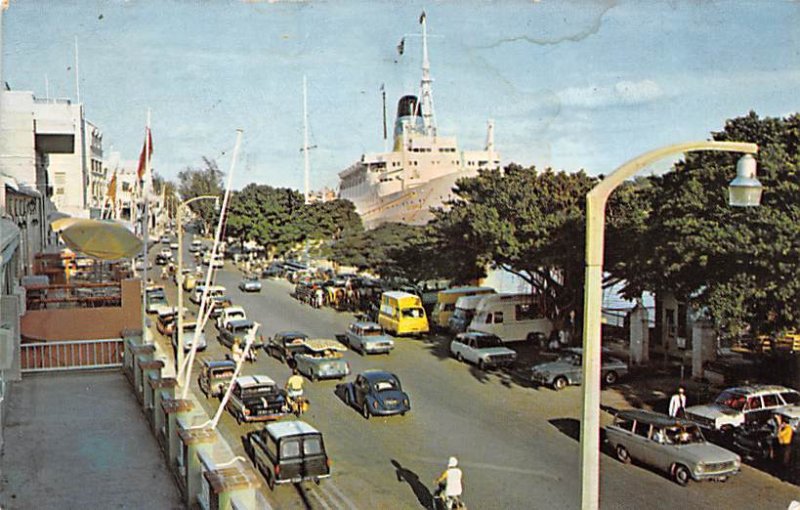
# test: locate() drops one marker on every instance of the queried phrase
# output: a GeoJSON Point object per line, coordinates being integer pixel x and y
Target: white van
{"type": "Point", "coordinates": [512, 317]}
{"type": "Point", "coordinates": [213, 290]}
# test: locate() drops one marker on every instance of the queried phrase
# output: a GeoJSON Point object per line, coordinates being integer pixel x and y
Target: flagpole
{"type": "Point", "coordinates": [145, 222]}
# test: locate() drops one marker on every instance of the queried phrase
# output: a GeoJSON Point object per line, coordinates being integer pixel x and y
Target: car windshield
{"type": "Point", "coordinates": [413, 313]}
{"type": "Point", "coordinates": [572, 358]}
{"type": "Point", "coordinates": [485, 342]}
{"type": "Point", "coordinates": [733, 400]}
{"type": "Point", "coordinates": [684, 434]}
{"type": "Point", "coordinates": [386, 385]}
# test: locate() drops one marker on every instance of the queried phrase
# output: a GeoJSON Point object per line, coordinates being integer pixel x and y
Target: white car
{"type": "Point", "coordinates": [482, 349]}
{"type": "Point", "coordinates": [173, 245]}
{"type": "Point", "coordinates": [229, 314]}
{"type": "Point", "coordinates": [735, 407]}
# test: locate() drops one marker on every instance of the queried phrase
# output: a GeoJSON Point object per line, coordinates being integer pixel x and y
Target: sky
{"type": "Point", "coordinates": [569, 84]}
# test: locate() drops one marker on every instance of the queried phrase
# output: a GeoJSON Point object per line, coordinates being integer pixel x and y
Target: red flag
{"type": "Point", "coordinates": [148, 142]}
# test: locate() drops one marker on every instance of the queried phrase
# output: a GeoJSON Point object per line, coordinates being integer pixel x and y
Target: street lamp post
{"type": "Point", "coordinates": [179, 278]}
{"type": "Point", "coordinates": [745, 190]}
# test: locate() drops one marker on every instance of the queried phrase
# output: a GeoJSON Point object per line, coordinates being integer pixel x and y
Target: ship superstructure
{"type": "Point", "coordinates": [422, 168]}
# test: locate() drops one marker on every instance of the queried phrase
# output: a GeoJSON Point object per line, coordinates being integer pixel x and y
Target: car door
{"type": "Point", "coordinates": [754, 411]}
{"type": "Point", "coordinates": [471, 350]}
{"type": "Point", "coordinates": [576, 370]}
{"type": "Point", "coordinates": [355, 339]}
{"type": "Point", "coordinates": [360, 389]}
{"type": "Point", "coordinates": [637, 441]}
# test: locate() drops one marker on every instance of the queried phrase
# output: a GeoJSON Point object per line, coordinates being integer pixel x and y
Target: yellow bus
{"type": "Point", "coordinates": [446, 303]}
{"type": "Point", "coordinates": [402, 313]}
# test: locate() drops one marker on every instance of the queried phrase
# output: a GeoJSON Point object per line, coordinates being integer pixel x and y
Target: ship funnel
{"type": "Point", "coordinates": [490, 136]}
{"type": "Point", "coordinates": [408, 117]}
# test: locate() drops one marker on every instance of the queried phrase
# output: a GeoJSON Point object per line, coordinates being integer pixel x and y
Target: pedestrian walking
{"type": "Point", "coordinates": [677, 404]}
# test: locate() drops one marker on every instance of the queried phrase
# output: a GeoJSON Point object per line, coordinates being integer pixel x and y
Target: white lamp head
{"type": "Point", "coordinates": [745, 189]}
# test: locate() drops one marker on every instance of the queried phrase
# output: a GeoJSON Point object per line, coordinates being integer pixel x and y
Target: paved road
{"type": "Point", "coordinates": [517, 444]}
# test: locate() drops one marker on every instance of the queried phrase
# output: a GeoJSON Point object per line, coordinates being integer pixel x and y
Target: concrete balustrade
{"type": "Point", "coordinates": [209, 473]}
{"type": "Point", "coordinates": [163, 389]}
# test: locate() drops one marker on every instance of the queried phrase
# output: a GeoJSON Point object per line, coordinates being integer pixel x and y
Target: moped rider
{"type": "Point", "coordinates": [451, 478]}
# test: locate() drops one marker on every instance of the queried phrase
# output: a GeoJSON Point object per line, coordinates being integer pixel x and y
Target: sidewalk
{"type": "Point", "coordinates": [76, 441]}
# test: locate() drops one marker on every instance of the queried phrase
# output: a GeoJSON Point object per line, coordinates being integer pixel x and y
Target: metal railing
{"type": "Point", "coordinates": [71, 355]}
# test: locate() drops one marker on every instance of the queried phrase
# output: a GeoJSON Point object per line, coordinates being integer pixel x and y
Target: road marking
{"type": "Point", "coordinates": [338, 492]}
{"type": "Point", "coordinates": [319, 498]}
{"type": "Point", "coordinates": [495, 467]}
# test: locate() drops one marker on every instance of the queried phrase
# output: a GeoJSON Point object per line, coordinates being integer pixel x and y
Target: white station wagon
{"type": "Point", "coordinates": [735, 407]}
{"type": "Point", "coordinates": [672, 445]}
{"type": "Point", "coordinates": [482, 349]}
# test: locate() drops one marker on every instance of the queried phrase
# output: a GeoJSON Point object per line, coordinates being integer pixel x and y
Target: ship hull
{"type": "Point", "coordinates": [411, 206]}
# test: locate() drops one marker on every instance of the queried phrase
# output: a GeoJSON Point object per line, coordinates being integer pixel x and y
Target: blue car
{"type": "Point", "coordinates": [376, 393]}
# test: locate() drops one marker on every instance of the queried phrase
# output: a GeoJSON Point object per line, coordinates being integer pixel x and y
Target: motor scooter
{"type": "Point", "coordinates": [443, 502]}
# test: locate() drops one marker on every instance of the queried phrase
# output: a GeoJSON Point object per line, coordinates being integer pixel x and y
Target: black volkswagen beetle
{"type": "Point", "coordinates": [375, 393]}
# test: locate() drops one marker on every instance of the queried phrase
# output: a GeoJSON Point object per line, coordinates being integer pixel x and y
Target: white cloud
{"type": "Point", "coordinates": [621, 93]}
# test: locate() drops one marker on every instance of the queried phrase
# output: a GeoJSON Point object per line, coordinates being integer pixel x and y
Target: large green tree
{"type": "Point", "coordinates": [205, 180]}
{"type": "Point", "coordinates": [524, 221]}
{"type": "Point", "coordinates": [266, 215]}
{"type": "Point", "coordinates": [740, 263]}
{"type": "Point", "coordinates": [394, 250]}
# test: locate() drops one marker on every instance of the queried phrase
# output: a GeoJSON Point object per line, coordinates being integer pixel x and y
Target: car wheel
{"type": "Point", "coordinates": [347, 398]}
{"type": "Point", "coordinates": [623, 455]}
{"type": "Point", "coordinates": [238, 417]}
{"type": "Point", "coordinates": [610, 377]}
{"type": "Point", "coordinates": [560, 383]}
{"type": "Point", "coordinates": [270, 479]}
{"type": "Point", "coordinates": [365, 411]}
{"type": "Point", "coordinates": [681, 475]}
{"type": "Point", "coordinates": [313, 377]}
{"type": "Point", "coordinates": [481, 364]}
{"type": "Point", "coordinates": [459, 357]}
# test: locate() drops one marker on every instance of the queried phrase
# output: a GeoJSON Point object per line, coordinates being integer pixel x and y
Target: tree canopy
{"type": "Point", "coordinates": [194, 182]}
{"type": "Point", "coordinates": [278, 218]}
{"type": "Point", "coordinates": [741, 263]}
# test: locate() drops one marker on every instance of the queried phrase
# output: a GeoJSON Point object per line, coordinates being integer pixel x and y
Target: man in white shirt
{"type": "Point", "coordinates": [677, 404]}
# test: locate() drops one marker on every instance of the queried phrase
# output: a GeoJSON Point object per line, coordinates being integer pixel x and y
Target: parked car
{"type": "Point", "coordinates": [250, 284]}
{"type": "Point", "coordinates": [196, 246]}
{"type": "Point", "coordinates": [228, 314]}
{"type": "Point", "coordinates": [376, 393]}
{"type": "Point", "coordinates": [164, 239]}
{"type": "Point", "coordinates": [189, 329]}
{"type": "Point", "coordinates": [288, 452]}
{"type": "Point", "coordinates": [756, 440]}
{"type": "Point", "coordinates": [368, 338]}
{"type": "Point", "coordinates": [322, 359]}
{"type": "Point", "coordinates": [256, 398]}
{"type": "Point", "coordinates": [274, 270]}
{"type": "Point", "coordinates": [155, 301]}
{"type": "Point", "coordinates": [218, 304]}
{"type": "Point", "coordinates": [482, 349]}
{"type": "Point", "coordinates": [173, 245]}
{"type": "Point", "coordinates": [237, 330]}
{"type": "Point", "coordinates": [166, 320]}
{"type": "Point", "coordinates": [672, 445]}
{"type": "Point", "coordinates": [568, 369]}
{"type": "Point", "coordinates": [742, 405]}
{"type": "Point", "coordinates": [215, 376]}
{"type": "Point", "coordinates": [285, 344]}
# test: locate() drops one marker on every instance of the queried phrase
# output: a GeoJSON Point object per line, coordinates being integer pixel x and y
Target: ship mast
{"type": "Point", "coordinates": [306, 164]}
{"type": "Point", "coordinates": [426, 92]}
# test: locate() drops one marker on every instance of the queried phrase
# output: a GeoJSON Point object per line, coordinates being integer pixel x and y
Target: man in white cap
{"type": "Point", "coordinates": [451, 478]}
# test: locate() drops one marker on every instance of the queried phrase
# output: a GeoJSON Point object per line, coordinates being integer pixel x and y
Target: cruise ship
{"type": "Point", "coordinates": [421, 170]}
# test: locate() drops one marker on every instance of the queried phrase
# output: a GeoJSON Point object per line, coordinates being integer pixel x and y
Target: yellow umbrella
{"type": "Point", "coordinates": [61, 223]}
{"type": "Point", "coordinates": [104, 240]}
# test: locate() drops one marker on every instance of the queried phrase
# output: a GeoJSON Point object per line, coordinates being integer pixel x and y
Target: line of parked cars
{"type": "Point", "coordinates": [737, 419]}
